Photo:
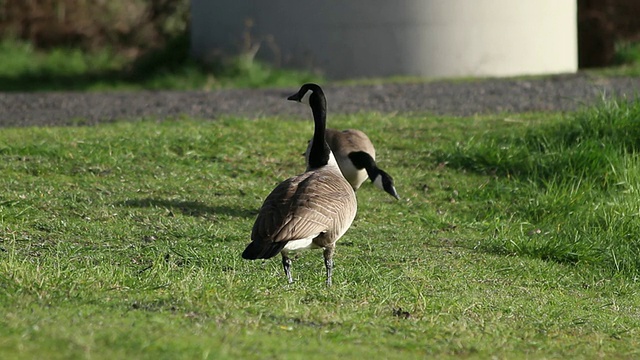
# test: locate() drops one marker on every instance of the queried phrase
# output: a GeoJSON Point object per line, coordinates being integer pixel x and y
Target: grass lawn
{"type": "Point", "coordinates": [26, 68]}
{"type": "Point", "coordinates": [517, 236]}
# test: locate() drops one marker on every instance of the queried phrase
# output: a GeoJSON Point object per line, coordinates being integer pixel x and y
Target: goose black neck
{"type": "Point", "coordinates": [319, 152]}
{"type": "Point", "coordinates": [362, 160]}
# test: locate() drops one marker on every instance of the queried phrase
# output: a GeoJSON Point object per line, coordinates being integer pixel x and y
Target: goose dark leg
{"type": "Point", "coordinates": [328, 262]}
{"type": "Point", "coordinates": [286, 264]}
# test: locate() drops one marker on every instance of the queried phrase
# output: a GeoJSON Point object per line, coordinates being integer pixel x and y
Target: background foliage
{"type": "Point", "coordinates": [127, 26]}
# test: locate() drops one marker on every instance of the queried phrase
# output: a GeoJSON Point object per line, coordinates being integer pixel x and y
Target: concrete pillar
{"type": "Point", "coordinates": [375, 38]}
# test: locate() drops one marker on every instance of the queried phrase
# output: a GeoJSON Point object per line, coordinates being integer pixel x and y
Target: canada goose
{"type": "Point", "coordinates": [356, 156]}
{"type": "Point", "coordinates": [309, 211]}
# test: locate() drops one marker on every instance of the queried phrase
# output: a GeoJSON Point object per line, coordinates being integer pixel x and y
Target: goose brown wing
{"type": "Point", "coordinates": [301, 207]}
{"type": "Point", "coordinates": [346, 141]}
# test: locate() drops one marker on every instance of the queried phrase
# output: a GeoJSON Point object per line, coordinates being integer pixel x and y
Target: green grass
{"type": "Point", "coordinates": [124, 240]}
{"type": "Point", "coordinates": [576, 181]}
{"type": "Point", "coordinates": [626, 60]}
{"type": "Point", "coordinates": [25, 68]}
{"type": "Point", "coordinates": [628, 53]}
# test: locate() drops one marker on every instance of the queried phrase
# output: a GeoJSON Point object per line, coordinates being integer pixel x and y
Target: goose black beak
{"type": "Point", "coordinates": [294, 97]}
{"type": "Point", "coordinates": [394, 193]}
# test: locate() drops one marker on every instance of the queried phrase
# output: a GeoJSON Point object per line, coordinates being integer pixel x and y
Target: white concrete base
{"type": "Point", "coordinates": [374, 38]}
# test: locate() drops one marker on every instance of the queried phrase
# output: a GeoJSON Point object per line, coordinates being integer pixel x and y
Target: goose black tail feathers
{"type": "Point", "coordinates": [256, 250]}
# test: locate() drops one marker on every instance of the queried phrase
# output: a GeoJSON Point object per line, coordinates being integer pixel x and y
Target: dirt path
{"type": "Point", "coordinates": [556, 93]}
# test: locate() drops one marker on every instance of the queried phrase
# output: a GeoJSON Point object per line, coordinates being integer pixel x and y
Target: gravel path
{"type": "Point", "coordinates": [556, 93]}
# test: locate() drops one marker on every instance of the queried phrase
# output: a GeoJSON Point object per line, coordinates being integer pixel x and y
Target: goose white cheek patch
{"type": "Point", "coordinates": [378, 182]}
{"type": "Point", "coordinates": [305, 97]}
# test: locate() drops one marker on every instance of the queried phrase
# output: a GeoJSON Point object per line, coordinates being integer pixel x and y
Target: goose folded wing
{"type": "Point", "coordinates": [300, 207]}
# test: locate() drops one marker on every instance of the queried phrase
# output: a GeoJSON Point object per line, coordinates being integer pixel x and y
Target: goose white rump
{"type": "Point", "coordinates": [301, 244]}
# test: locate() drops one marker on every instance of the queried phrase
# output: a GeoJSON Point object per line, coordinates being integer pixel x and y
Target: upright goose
{"type": "Point", "coordinates": [356, 156]}
{"type": "Point", "coordinates": [309, 211]}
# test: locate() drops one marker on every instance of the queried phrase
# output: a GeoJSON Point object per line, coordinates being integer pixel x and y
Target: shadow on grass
{"type": "Point", "coordinates": [189, 208]}
{"type": "Point", "coordinates": [583, 147]}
